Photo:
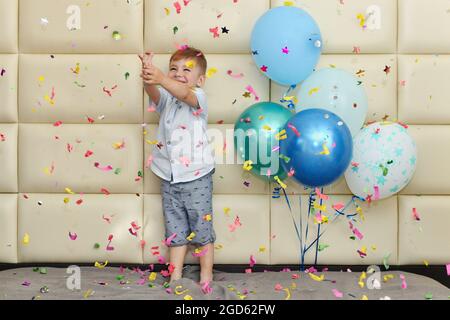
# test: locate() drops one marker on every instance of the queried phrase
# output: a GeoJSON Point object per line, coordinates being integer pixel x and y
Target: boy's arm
{"type": "Point", "coordinates": [181, 91]}
{"type": "Point", "coordinates": [153, 92]}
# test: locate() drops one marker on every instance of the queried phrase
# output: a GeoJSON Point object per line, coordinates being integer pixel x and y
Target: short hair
{"type": "Point", "coordinates": [189, 52]}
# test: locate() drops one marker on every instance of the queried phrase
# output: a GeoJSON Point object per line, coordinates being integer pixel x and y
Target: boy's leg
{"type": "Point", "coordinates": [177, 255]}
{"type": "Point", "coordinates": [206, 263]}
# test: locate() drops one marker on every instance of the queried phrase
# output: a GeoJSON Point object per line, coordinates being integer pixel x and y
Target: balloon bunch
{"type": "Point", "coordinates": [325, 138]}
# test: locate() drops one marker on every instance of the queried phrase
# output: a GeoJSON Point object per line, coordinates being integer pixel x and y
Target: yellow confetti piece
{"type": "Point", "coordinates": [178, 292]}
{"type": "Point", "coordinates": [47, 98]}
{"type": "Point", "coordinates": [190, 64]}
{"type": "Point", "coordinates": [26, 239]}
{"type": "Point", "coordinates": [99, 265]}
{"type": "Point", "coordinates": [360, 213]}
{"type": "Point", "coordinates": [261, 117]}
{"type": "Point", "coordinates": [152, 276]}
{"type": "Point", "coordinates": [88, 293]}
{"type": "Point", "coordinates": [362, 19]}
{"type": "Point", "coordinates": [188, 297]}
{"type": "Point", "coordinates": [325, 151]}
{"type": "Point", "coordinates": [69, 191]}
{"type": "Point", "coordinates": [66, 200]}
{"type": "Point", "coordinates": [388, 277]}
{"type": "Point", "coordinates": [218, 246]}
{"type": "Point", "coordinates": [282, 185]}
{"type": "Point", "coordinates": [364, 297]}
{"type": "Point", "coordinates": [288, 3]}
{"type": "Point", "coordinates": [374, 248]}
{"type": "Point", "coordinates": [191, 236]}
{"type": "Point", "coordinates": [266, 127]}
{"type": "Point", "coordinates": [425, 262]}
{"type": "Point", "coordinates": [361, 278]}
{"type": "Point", "coordinates": [316, 278]}
{"type": "Point", "coordinates": [248, 165]}
{"type": "Point", "coordinates": [211, 72]}
{"type": "Point", "coordinates": [41, 79]}
{"type": "Point", "coordinates": [227, 210]}
{"type": "Point", "coordinates": [241, 296]}
{"type": "Point", "coordinates": [262, 249]}
{"type": "Point", "coordinates": [363, 250]}
{"type": "Point", "coordinates": [322, 208]}
{"type": "Point", "coordinates": [151, 141]}
{"type": "Point", "coordinates": [167, 10]}
{"type": "Point", "coordinates": [293, 286]}
{"type": "Point", "coordinates": [313, 90]}
{"type": "Point", "coordinates": [281, 135]}
{"type": "Point", "coordinates": [288, 294]}
{"type": "Point", "coordinates": [207, 217]}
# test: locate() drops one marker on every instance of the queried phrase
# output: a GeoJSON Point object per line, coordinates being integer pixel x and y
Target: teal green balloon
{"type": "Point", "coordinates": [257, 135]}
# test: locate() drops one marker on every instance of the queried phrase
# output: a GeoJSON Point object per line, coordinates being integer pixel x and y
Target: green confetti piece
{"type": "Point", "coordinates": [139, 173]}
{"type": "Point", "coordinates": [120, 277]}
{"type": "Point", "coordinates": [117, 171]}
{"type": "Point", "coordinates": [151, 285]}
{"type": "Point", "coordinates": [166, 285]}
{"type": "Point", "coordinates": [175, 30]}
{"type": "Point", "coordinates": [127, 75]}
{"type": "Point", "coordinates": [221, 177]}
{"type": "Point", "coordinates": [429, 296]}
{"type": "Point", "coordinates": [43, 270]}
{"type": "Point", "coordinates": [36, 269]}
{"type": "Point", "coordinates": [97, 245]}
{"type": "Point", "coordinates": [323, 246]}
{"type": "Point", "coordinates": [385, 261]}
{"type": "Point", "coordinates": [352, 237]}
{"type": "Point", "coordinates": [116, 35]}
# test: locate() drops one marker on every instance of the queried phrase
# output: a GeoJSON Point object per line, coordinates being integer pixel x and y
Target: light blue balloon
{"type": "Point", "coordinates": [287, 42]}
{"type": "Point", "coordinates": [337, 91]}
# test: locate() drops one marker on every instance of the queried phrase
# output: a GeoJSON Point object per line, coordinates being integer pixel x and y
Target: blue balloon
{"type": "Point", "coordinates": [319, 145]}
{"type": "Point", "coordinates": [286, 44]}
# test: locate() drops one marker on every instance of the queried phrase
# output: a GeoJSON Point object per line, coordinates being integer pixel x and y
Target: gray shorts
{"type": "Point", "coordinates": [187, 207]}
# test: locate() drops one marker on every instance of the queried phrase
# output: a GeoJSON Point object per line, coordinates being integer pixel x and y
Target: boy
{"type": "Point", "coordinates": [182, 158]}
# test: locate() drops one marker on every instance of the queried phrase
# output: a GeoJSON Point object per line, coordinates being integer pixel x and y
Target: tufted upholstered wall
{"type": "Point", "coordinates": [41, 164]}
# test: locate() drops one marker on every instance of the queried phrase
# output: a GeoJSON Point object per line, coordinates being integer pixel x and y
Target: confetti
{"type": "Point", "coordinates": [316, 278]}
{"type": "Point", "coordinates": [100, 265]}
{"type": "Point", "coordinates": [26, 239]}
{"type": "Point", "coordinates": [250, 89]}
{"type": "Point", "coordinates": [106, 168]}
{"type": "Point", "coordinates": [236, 76]}
{"type": "Point", "coordinates": [252, 261]}
{"type": "Point", "coordinates": [235, 225]}
{"type": "Point", "coordinates": [211, 72]}
{"type": "Point", "coordinates": [215, 32]}
{"type": "Point", "coordinates": [168, 241]}
{"type": "Point", "coordinates": [72, 236]}
{"type": "Point", "coordinates": [116, 35]}
{"type": "Point", "coordinates": [191, 236]}
{"type": "Point", "coordinates": [337, 293]}
{"type": "Point", "coordinates": [415, 214]}
{"type": "Point", "coordinates": [404, 284]}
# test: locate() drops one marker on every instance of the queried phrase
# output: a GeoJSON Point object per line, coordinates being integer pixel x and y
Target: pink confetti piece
{"type": "Point", "coordinates": [252, 91]}
{"type": "Point", "coordinates": [264, 68]}
{"type": "Point", "coordinates": [377, 193]}
{"type": "Point", "coordinates": [321, 195]}
{"type": "Point", "coordinates": [295, 276]}
{"type": "Point", "coordinates": [311, 270]}
{"type": "Point", "coordinates": [149, 161]}
{"type": "Point", "coordinates": [161, 260]}
{"type": "Point", "coordinates": [285, 50]}
{"type": "Point", "coordinates": [206, 289]}
{"type": "Point", "coordinates": [404, 284]}
{"type": "Point", "coordinates": [338, 206]}
{"type": "Point", "coordinates": [358, 234]}
{"type": "Point", "coordinates": [57, 123]}
{"type": "Point", "coordinates": [236, 76]}
{"type": "Point", "coordinates": [291, 172]}
{"type": "Point", "coordinates": [278, 287]}
{"type": "Point", "coordinates": [249, 270]}
{"type": "Point", "coordinates": [106, 168]}
{"type": "Point", "coordinates": [215, 32]}
{"type": "Point", "coordinates": [294, 129]}
{"type": "Point", "coordinates": [236, 224]}
{"type": "Point", "coordinates": [2, 73]}
{"type": "Point", "coordinates": [185, 161]}
{"type": "Point", "coordinates": [88, 154]}
{"type": "Point", "coordinates": [109, 247]}
{"type": "Point", "coordinates": [142, 244]}
{"type": "Point", "coordinates": [141, 282]}
{"type": "Point", "coordinates": [276, 148]}
{"type": "Point", "coordinates": [2, 137]}
{"type": "Point", "coordinates": [252, 261]}
{"type": "Point", "coordinates": [108, 92]}
{"type": "Point", "coordinates": [448, 269]}
{"type": "Point", "coordinates": [197, 112]}
{"type": "Point", "coordinates": [337, 293]}
{"type": "Point", "coordinates": [177, 7]}
{"type": "Point", "coordinates": [415, 214]}
{"type": "Point", "coordinates": [168, 241]}
{"type": "Point", "coordinates": [26, 283]}
{"type": "Point", "coordinates": [72, 236]}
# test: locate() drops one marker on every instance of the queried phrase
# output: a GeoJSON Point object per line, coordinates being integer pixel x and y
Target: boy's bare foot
{"type": "Point", "coordinates": [175, 277]}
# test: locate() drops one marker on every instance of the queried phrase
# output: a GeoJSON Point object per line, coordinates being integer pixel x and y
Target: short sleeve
{"type": "Point", "coordinates": [163, 97]}
{"type": "Point", "coordinates": [203, 104]}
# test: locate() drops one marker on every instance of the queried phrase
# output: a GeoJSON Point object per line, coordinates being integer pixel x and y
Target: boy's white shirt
{"type": "Point", "coordinates": [183, 150]}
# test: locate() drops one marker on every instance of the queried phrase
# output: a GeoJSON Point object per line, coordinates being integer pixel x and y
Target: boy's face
{"type": "Point", "coordinates": [186, 71]}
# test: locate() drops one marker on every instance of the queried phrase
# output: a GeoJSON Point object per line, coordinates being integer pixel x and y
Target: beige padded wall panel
{"type": "Point", "coordinates": [427, 240]}
{"type": "Point", "coordinates": [42, 146]}
{"type": "Point", "coordinates": [424, 89]}
{"type": "Point", "coordinates": [50, 230]}
{"type": "Point", "coordinates": [379, 233]}
{"type": "Point", "coordinates": [194, 21]}
{"type": "Point", "coordinates": [106, 88]}
{"type": "Point", "coordinates": [380, 86]}
{"type": "Point", "coordinates": [45, 21]}
{"type": "Point", "coordinates": [8, 158]}
{"type": "Point", "coordinates": [423, 26]}
{"type": "Point", "coordinates": [8, 87]}
{"type": "Point", "coordinates": [8, 25]}
{"type": "Point", "coordinates": [227, 179]}
{"type": "Point", "coordinates": [8, 228]}
{"type": "Point", "coordinates": [226, 100]}
{"type": "Point", "coordinates": [251, 238]}
{"type": "Point", "coordinates": [341, 29]}
{"type": "Point", "coordinates": [431, 176]}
